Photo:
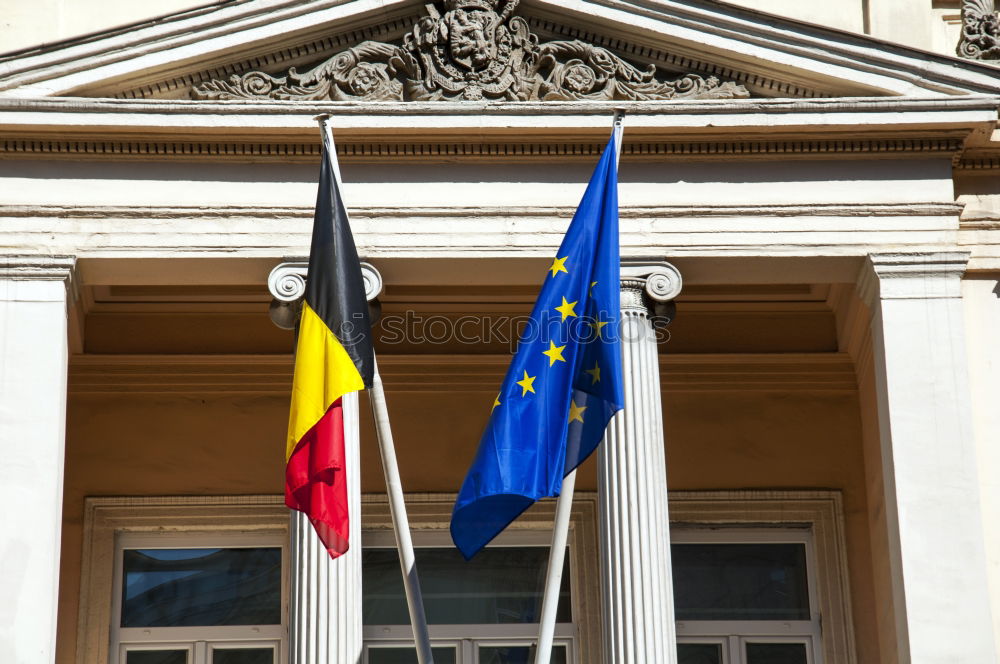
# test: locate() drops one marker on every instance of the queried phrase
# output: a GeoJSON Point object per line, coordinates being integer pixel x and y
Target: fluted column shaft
{"type": "Point", "coordinates": [637, 588]}
{"type": "Point", "coordinates": [325, 603]}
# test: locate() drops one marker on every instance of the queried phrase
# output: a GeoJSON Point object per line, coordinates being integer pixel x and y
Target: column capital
{"type": "Point", "coordinates": [912, 276]}
{"type": "Point", "coordinates": [287, 285]}
{"type": "Point", "coordinates": [649, 285]}
{"type": "Point", "coordinates": [33, 267]}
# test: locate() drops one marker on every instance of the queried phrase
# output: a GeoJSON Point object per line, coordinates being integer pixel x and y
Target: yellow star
{"type": "Point", "coordinates": [496, 402]}
{"type": "Point", "coordinates": [566, 309]}
{"type": "Point", "coordinates": [597, 325]}
{"type": "Point", "coordinates": [576, 412]}
{"type": "Point", "coordinates": [559, 265]}
{"type": "Point", "coordinates": [592, 284]}
{"type": "Point", "coordinates": [554, 353]}
{"type": "Point", "coordinates": [595, 373]}
{"type": "Point", "coordinates": [527, 384]}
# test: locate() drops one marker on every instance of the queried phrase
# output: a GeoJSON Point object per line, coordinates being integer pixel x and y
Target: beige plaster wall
{"type": "Point", "coordinates": [144, 444]}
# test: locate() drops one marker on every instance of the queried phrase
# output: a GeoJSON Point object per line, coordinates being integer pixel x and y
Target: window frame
{"type": "Point", "coordinates": [203, 639]}
{"type": "Point", "coordinates": [734, 634]}
{"type": "Point", "coordinates": [182, 520]}
{"type": "Point", "coordinates": [468, 637]}
{"type": "Point", "coordinates": [430, 516]}
{"type": "Point", "coordinates": [818, 512]}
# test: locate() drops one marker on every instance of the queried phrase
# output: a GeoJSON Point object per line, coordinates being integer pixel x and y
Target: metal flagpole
{"type": "Point", "coordinates": [564, 506]}
{"type": "Point", "coordinates": [400, 522]}
{"type": "Point", "coordinates": [401, 525]}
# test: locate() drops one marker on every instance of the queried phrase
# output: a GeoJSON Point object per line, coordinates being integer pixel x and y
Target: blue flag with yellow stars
{"type": "Point", "coordinates": [565, 381]}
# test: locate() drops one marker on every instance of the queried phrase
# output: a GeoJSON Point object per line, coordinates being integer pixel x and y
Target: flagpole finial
{"type": "Point", "coordinates": [322, 118]}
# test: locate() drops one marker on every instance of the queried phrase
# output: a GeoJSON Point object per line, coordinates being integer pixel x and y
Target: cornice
{"type": "Point", "coordinates": [305, 110]}
{"type": "Point", "coordinates": [396, 152]}
{"type": "Point", "coordinates": [37, 268]}
{"type": "Point", "coordinates": [271, 375]}
{"type": "Point", "coordinates": [721, 210]}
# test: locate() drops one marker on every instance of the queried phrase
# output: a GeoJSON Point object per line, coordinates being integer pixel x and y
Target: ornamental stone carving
{"type": "Point", "coordinates": [980, 30]}
{"type": "Point", "coordinates": [476, 50]}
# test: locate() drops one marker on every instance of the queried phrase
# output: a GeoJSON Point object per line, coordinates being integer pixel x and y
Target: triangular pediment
{"type": "Point", "coordinates": [329, 50]}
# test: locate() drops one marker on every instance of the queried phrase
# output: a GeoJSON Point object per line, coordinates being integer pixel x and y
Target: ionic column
{"type": "Point", "coordinates": [325, 606]}
{"type": "Point", "coordinates": [637, 589]}
{"type": "Point", "coordinates": [34, 350]}
{"type": "Point", "coordinates": [937, 555]}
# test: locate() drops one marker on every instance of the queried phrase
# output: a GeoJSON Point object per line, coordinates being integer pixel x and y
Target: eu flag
{"type": "Point", "coordinates": [565, 381]}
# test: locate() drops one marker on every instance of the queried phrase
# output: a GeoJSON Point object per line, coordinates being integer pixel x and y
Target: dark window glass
{"type": "Point", "coordinates": [776, 653]}
{"type": "Point", "coordinates": [740, 581]}
{"type": "Point", "coordinates": [192, 587]}
{"type": "Point", "coordinates": [517, 655]}
{"type": "Point", "coordinates": [243, 656]}
{"type": "Point", "coordinates": [699, 653]}
{"type": "Point", "coordinates": [499, 585]}
{"type": "Point", "coordinates": [408, 655]}
{"type": "Point", "coordinates": [156, 657]}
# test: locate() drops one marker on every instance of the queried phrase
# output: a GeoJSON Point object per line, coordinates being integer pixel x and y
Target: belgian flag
{"type": "Point", "coordinates": [333, 356]}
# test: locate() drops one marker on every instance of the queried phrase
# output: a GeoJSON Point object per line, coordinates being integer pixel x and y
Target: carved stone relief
{"type": "Point", "coordinates": [476, 50]}
{"type": "Point", "coordinates": [980, 30]}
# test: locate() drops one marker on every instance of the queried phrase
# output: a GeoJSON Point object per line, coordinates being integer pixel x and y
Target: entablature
{"type": "Point", "coordinates": [457, 131]}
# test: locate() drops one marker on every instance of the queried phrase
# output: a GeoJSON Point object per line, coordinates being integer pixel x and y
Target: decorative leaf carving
{"type": "Point", "coordinates": [476, 50]}
{"type": "Point", "coordinates": [980, 30]}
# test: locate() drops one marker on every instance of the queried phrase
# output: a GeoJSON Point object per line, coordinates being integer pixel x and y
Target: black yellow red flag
{"type": "Point", "coordinates": [333, 356]}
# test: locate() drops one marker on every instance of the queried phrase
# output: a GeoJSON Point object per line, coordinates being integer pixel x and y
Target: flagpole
{"type": "Point", "coordinates": [401, 525]}
{"type": "Point", "coordinates": [564, 508]}
{"type": "Point", "coordinates": [394, 487]}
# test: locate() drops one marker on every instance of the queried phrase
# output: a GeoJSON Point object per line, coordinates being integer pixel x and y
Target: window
{"type": "Point", "coordinates": [191, 580]}
{"type": "Point", "coordinates": [484, 611]}
{"type": "Point", "coordinates": [754, 572]}
{"type": "Point", "coordinates": [197, 599]}
{"type": "Point", "coordinates": [745, 596]}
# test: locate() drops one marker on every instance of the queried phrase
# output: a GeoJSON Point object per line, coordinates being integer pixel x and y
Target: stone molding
{"type": "Point", "coordinates": [272, 374]}
{"type": "Point", "coordinates": [927, 209]}
{"type": "Point", "coordinates": [105, 517]}
{"type": "Point", "coordinates": [980, 38]}
{"type": "Point", "coordinates": [912, 276]}
{"type": "Point", "coordinates": [822, 511]}
{"type": "Point", "coordinates": [476, 50]}
{"type": "Point", "coordinates": [25, 267]}
{"type": "Point", "coordinates": [812, 56]}
{"type": "Point", "coordinates": [494, 152]}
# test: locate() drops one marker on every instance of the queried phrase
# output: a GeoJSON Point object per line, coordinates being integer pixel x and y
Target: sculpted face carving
{"type": "Point", "coordinates": [980, 30]}
{"type": "Point", "coordinates": [476, 50]}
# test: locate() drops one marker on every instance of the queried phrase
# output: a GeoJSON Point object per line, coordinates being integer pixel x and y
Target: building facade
{"type": "Point", "coordinates": [805, 471]}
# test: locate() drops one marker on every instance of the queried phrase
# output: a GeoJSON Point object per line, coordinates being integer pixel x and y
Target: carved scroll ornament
{"type": "Point", "coordinates": [980, 30]}
{"type": "Point", "coordinates": [476, 50]}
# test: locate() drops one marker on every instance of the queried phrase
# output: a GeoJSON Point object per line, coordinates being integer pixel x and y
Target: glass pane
{"type": "Point", "coordinates": [190, 587]}
{"type": "Point", "coordinates": [517, 655]}
{"type": "Point", "coordinates": [156, 657]}
{"type": "Point", "coordinates": [408, 655]}
{"type": "Point", "coordinates": [740, 581]}
{"type": "Point", "coordinates": [499, 585]}
{"type": "Point", "coordinates": [776, 653]}
{"type": "Point", "coordinates": [243, 656]}
{"type": "Point", "coordinates": [699, 653]}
